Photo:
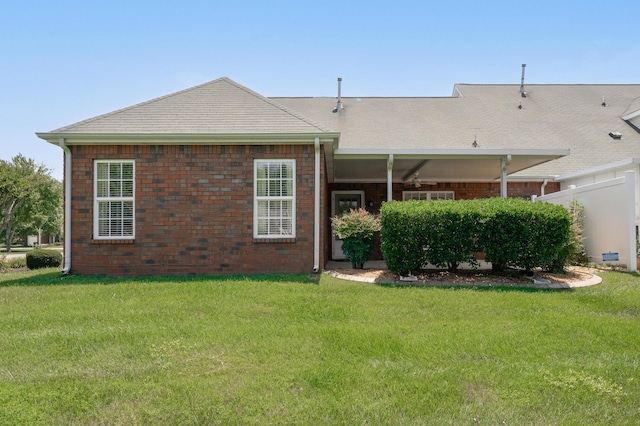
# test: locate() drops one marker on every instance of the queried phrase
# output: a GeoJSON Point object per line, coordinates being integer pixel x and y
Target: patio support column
{"type": "Point", "coordinates": [503, 175]}
{"type": "Point", "coordinates": [390, 177]}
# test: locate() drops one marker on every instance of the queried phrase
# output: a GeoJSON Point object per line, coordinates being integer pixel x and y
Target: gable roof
{"type": "Point", "coordinates": [219, 107]}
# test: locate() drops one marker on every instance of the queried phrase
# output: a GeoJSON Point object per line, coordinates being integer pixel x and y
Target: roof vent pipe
{"type": "Point", "coordinates": [339, 104]}
{"type": "Point", "coordinates": [522, 92]}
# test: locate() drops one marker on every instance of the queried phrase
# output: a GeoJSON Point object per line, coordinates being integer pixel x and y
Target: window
{"type": "Point", "coordinates": [427, 195]}
{"type": "Point", "coordinates": [114, 191]}
{"type": "Point", "coordinates": [274, 199]}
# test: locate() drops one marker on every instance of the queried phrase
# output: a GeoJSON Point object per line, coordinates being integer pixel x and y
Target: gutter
{"type": "Point", "coordinates": [316, 209]}
{"type": "Point", "coordinates": [67, 206]}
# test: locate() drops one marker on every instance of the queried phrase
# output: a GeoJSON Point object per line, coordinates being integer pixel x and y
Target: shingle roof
{"type": "Point", "coordinates": [221, 106]}
{"type": "Point", "coordinates": [552, 117]}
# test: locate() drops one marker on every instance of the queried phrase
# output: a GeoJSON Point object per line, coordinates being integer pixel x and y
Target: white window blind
{"type": "Point", "coordinates": [114, 214]}
{"type": "Point", "coordinates": [274, 194]}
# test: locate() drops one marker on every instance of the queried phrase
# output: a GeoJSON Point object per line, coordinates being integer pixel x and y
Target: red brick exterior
{"type": "Point", "coordinates": [194, 212]}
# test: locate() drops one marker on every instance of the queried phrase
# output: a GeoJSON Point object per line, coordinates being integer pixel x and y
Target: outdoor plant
{"type": "Point", "coordinates": [521, 234]}
{"type": "Point", "coordinates": [401, 224]}
{"type": "Point", "coordinates": [577, 254]}
{"type": "Point", "coordinates": [42, 258]}
{"type": "Point", "coordinates": [15, 263]}
{"type": "Point", "coordinates": [357, 230]}
{"type": "Point", "coordinates": [451, 233]}
{"type": "Point", "coordinates": [511, 232]}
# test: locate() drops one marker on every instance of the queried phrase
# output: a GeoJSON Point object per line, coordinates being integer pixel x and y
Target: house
{"type": "Point", "coordinates": [218, 179]}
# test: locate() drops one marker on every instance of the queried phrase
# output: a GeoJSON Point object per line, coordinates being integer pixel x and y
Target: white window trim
{"type": "Point", "coordinates": [97, 200]}
{"type": "Point", "coordinates": [428, 195]}
{"type": "Point", "coordinates": [291, 198]}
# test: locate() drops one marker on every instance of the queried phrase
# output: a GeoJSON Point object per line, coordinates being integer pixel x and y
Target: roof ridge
{"type": "Point", "coordinates": [277, 105]}
{"type": "Point", "coordinates": [548, 84]}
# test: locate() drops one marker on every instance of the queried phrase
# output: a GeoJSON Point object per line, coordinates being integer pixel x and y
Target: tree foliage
{"type": "Point", "coordinates": [30, 199]}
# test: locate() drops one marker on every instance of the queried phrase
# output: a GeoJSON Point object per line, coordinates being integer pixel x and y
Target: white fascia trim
{"type": "Point", "coordinates": [189, 138]}
{"type": "Point", "coordinates": [531, 178]}
{"type": "Point", "coordinates": [598, 169]}
{"type": "Point", "coordinates": [449, 153]}
{"type": "Point", "coordinates": [631, 116]}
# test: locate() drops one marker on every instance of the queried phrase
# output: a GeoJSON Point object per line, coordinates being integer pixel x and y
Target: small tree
{"type": "Point", "coordinates": [357, 229]}
{"type": "Point", "coordinates": [577, 253]}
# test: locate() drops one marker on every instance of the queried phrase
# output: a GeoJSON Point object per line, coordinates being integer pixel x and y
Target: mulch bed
{"type": "Point", "coordinates": [470, 277]}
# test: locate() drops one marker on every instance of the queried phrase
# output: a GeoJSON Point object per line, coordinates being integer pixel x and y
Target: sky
{"type": "Point", "coordinates": [65, 61]}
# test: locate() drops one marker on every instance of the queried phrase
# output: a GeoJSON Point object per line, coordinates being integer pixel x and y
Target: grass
{"type": "Point", "coordinates": [288, 350]}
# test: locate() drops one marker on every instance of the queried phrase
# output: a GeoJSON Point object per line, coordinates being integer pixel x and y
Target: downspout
{"type": "Point", "coordinates": [390, 177]}
{"type": "Point", "coordinates": [544, 184]}
{"type": "Point", "coordinates": [316, 210]}
{"type": "Point", "coordinates": [67, 206]}
{"type": "Point", "coordinates": [503, 175]}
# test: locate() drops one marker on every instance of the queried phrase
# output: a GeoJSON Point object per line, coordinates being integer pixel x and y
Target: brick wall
{"type": "Point", "coordinates": [194, 213]}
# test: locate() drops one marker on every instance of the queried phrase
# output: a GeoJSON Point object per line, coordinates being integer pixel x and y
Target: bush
{"type": "Point", "coordinates": [511, 232]}
{"type": "Point", "coordinates": [41, 258]}
{"type": "Point", "coordinates": [451, 233]}
{"type": "Point", "coordinates": [522, 234]}
{"type": "Point", "coordinates": [402, 225]}
{"type": "Point", "coordinates": [357, 229]}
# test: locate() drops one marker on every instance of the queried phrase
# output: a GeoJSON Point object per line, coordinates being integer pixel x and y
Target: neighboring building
{"type": "Point", "coordinates": [217, 179]}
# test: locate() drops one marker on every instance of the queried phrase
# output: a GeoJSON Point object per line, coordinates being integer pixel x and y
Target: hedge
{"type": "Point", "coordinates": [511, 232]}
{"type": "Point", "coordinates": [42, 258]}
{"type": "Point", "coordinates": [523, 234]}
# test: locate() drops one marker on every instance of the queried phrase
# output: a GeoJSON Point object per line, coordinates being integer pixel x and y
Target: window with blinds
{"type": "Point", "coordinates": [114, 192]}
{"type": "Point", "coordinates": [274, 199]}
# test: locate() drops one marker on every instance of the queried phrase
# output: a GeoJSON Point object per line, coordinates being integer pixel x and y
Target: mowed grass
{"type": "Point", "coordinates": [288, 350]}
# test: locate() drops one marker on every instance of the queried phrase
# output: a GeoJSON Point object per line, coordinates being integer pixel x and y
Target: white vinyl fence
{"type": "Point", "coordinates": [609, 223]}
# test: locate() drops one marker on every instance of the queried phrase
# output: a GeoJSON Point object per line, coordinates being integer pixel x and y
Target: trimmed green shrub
{"type": "Point", "coordinates": [512, 232]}
{"type": "Point", "coordinates": [357, 229]}
{"type": "Point", "coordinates": [442, 233]}
{"type": "Point", "coordinates": [402, 224]}
{"type": "Point", "coordinates": [522, 234]}
{"type": "Point", "coordinates": [42, 258]}
{"type": "Point", "coordinates": [451, 233]}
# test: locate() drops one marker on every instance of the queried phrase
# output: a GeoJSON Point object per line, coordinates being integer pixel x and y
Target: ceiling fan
{"type": "Point", "coordinates": [417, 182]}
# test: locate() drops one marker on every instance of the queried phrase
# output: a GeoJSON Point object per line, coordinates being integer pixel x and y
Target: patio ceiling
{"type": "Point", "coordinates": [435, 165]}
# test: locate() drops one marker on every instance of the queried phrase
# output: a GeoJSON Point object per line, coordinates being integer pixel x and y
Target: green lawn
{"type": "Point", "coordinates": [287, 350]}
